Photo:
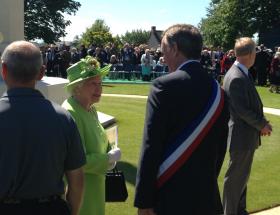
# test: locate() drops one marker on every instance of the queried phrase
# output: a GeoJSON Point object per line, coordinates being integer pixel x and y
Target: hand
{"type": "Point", "coordinates": [114, 155]}
{"type": "Point", "coordinates": [146, 211]}
{"type": "Point", "coordinates": [266, 130]}
{"type": "Point", "coordinates": [111, 165]}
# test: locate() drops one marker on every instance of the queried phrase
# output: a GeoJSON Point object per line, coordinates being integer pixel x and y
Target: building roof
{"type": "Point", "coordinates": [157, 33]}
{"type": "Point", "coordinates": [155, 38]}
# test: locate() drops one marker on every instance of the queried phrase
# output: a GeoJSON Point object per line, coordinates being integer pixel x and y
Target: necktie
{"type": "Point", "coordinates": [251, 77]}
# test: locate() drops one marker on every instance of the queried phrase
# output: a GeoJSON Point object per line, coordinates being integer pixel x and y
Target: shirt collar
{"type": "Point", "coordinates": [22, 92]}
{"type": "Point", "coordinates": [185, 63]}
{"type": "Point", "coordinates": [241, 66]}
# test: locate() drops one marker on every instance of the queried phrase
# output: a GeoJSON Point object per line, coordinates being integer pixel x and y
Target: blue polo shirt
{"type": "Point", "coordinates": [39, 141]}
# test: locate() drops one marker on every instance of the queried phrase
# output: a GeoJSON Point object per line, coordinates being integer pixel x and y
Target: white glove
{"type": "Point", "coordinates": [114, 155]}
{"type": "Point", "coordinates": [111, 165]}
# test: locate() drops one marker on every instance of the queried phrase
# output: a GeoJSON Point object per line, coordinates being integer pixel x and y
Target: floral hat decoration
{"type": "Point", "coordinates": [87, 67]}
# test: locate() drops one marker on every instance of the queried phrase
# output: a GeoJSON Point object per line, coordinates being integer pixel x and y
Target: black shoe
{"type": "Point", "coordinates": [243, 212]}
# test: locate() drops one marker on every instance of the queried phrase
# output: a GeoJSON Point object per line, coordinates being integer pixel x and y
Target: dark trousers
{"type": "Point", "coordinates": [235, 183]}
{"type": "Point", "coordinates": [55, 207]}
{"type": "Point", "coordinates": [262, 76]}
{"type": "Point", "coordinates": [49, 68]}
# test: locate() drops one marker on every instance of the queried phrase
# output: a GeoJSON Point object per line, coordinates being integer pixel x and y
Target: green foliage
{"type": "Point", "coordinates": [136, 37]}
{"type": "Point", "coordinates": [43, 19]}
{"type": "Point", "coordinates": [98, 34]}
{"type": "Point", "coordinates": [118, 42]}
{"type": "Point", "coordinates": [264, 14]}
{"type": "Point", "coordinates": [99, 25]}
{"type": "Point", "coordinates": [97, 38]}
{"type": "Point", "coordinates": [76, 41]}
{"type": "Point", "coordinates": [229, 19]}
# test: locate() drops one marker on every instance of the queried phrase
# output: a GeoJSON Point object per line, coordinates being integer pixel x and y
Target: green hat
{"type": "Point", "coordinates": [87, 67]}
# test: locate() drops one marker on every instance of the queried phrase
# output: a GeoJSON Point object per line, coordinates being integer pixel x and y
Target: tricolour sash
{"type": "Point", "coordinates": [179, 151]}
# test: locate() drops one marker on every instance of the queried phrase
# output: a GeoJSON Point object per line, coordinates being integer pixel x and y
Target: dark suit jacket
{"type": "Point", "coordinates": [246, 110]}
{"type": "Point", "coordinates": [174, 101]}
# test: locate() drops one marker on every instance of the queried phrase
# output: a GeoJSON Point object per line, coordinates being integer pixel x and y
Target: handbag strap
{"type": "Point", "coordinates": [115, 170]}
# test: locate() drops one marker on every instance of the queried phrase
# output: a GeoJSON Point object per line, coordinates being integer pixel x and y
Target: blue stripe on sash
{"type": "Point", "coordinates": [190, 128]}
{"type": "Point", "coordinates": [181, 149]}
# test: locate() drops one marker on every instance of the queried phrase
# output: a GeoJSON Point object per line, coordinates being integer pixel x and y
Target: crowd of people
{"type": "Point", "coordinates": [265, 70]}
{"type": "Point", "coordinates": [190, 120]}
{"type": "Point", "coordinates": [140, 62]}
{"type": "Point", "coordinates": [127, 63]}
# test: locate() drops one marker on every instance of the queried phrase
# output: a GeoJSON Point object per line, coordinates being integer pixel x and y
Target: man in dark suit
{"type": "Point", "coordinates": [262, 64]}
{"type": "Point", "coordinates": [247, 123]}
{"type": "Point", "coordinates": [177, 104]}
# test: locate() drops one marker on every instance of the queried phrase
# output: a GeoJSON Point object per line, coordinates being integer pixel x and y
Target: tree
{"type": "Point", "coordinates": [263, 15]}
{"type": "Point", "coordinates": [228, 19]}
{"type": "Point", "coordinates": [43, 19]}
{"type": "Point", "coordinates": [99, 25]}
{"type": "Point", "coordinates": [76, 41]}
{"type": "Point", "coordinates": [98, 34]}
{"type": "Point", "coordinates": [222, 26]}
{"type": "Point", "coordinates": [136, 37]}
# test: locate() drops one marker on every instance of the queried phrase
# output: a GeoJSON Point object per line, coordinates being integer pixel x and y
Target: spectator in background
{"type": "Point", "coordinates": [206, 60]}
{"type": "Point", "coordinates": [137, 56]}
{"type": "Point", "coordinates": [114, 51]}
{"type": "Point", "coordinates": [160, 67]}
{"type": "Point", "coordinates": [227, 61]}
{"type": "Point", "coordinates": [157, 55]}
{"type": "Point", "coordinates": [113, 60]}
{"type": "Point", "coordinates": [275, 74]}
{"type": "Point", "coordinates": [65, 61]}
{"type": "Point", "coordinates": [50, 59]}
{"type": "Point", "coordinates": [146, 64]}
{"type": "Point", "coordinates": [262, 65]}
{"type": "Point", "coordinates": [83, 51]}
{"type": "Point", "coordinates": [127, 60]}
{"type": "Point", "coordinates": [75, 57]}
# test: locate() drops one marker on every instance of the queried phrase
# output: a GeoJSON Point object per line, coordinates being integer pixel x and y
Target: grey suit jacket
{"type": "Point", "coordinates": [246, 110]}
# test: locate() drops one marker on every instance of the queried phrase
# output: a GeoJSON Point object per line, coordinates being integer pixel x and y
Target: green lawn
{"type": "Point", "coordinates": [269, 99]}
{"type": "Point", "coordinates": [264, 189]}
{"type": "Point", "coordinates": [131, 89]}
{"type": "Point", "coordinates": [130, 118]}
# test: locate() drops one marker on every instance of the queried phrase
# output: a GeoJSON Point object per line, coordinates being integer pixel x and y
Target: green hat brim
{"type": "Point", "coordinates": [102, 72]}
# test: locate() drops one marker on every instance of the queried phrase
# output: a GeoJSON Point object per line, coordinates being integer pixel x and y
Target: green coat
{"type": "Point", "coordinates": [95, 144]}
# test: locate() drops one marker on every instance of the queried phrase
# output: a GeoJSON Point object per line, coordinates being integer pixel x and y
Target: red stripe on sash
{"type": "Point", "coordinates": [186, 155]}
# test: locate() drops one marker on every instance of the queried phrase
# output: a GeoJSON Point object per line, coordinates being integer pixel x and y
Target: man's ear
{"type": "Point", "coordinates": [4, 71]}
{"type": "Point", "coordinates": [175, 49]}
{"type": "Point", "coordinates": [41, 73]}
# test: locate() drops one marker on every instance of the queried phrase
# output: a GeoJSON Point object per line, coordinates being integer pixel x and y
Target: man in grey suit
{"type": "Point", "coordinates": [247, 123]}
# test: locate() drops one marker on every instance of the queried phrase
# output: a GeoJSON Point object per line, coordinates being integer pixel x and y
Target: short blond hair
{"type": "Point", "coordinates": [244, 46]}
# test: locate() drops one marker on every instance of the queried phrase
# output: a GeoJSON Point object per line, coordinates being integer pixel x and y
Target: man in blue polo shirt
{"type": "Point", "coordinates": [39, 142]}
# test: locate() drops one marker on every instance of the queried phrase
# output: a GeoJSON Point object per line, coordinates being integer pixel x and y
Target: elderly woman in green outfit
{"type": "Point", "coordinates": [85, 78]}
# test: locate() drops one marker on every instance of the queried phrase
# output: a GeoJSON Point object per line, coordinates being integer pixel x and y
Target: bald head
{"type": "Point", "coordinates": [23, 61]}
{"type": "Point", "coordinates": [244, 46]}
{"type": "Point", "coordinates": [245, 51]}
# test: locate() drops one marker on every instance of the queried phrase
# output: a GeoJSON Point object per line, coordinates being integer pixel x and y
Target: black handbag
{"type": "Point", "coordinates": [115, 187]}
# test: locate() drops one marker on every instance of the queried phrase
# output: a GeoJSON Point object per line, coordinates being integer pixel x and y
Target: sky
{"type": "Point", "coordinates": [128, 15]}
